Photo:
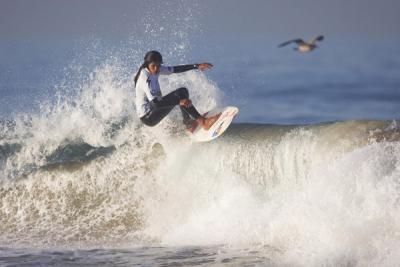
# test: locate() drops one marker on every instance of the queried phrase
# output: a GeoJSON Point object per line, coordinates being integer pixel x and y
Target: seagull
{"type": "Point", "coordinates": [304, 46]}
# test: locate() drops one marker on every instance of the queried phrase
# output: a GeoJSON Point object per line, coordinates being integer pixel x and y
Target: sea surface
{"type": "Point", "coordinates": [308, 174]}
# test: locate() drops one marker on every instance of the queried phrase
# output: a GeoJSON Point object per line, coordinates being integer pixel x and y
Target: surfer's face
{"type": "Point", "coordinates": [154, 68]}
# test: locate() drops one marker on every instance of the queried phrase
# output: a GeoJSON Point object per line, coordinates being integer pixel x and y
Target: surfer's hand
{"type": "Point", "coordinates": [204, 66]}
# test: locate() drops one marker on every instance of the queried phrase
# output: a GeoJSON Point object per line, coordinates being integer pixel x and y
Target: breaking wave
{"type": "Point", "coordinates": [85, 172]}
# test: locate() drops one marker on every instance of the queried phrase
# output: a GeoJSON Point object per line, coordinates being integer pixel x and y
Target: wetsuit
{"type": "Point", "coordinates": [152, 107]}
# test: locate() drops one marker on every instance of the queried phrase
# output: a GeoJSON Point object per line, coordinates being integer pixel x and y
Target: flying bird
{"type": "Point", "coordinates": [304, 46]}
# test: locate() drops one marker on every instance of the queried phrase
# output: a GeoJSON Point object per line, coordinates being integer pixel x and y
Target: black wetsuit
{"type": "Point", "coordinates": [161, 106]}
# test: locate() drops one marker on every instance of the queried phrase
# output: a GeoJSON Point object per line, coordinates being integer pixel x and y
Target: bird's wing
{"type": "Point", "coordinates": [297, 41]}
{"type": "Point", "coordinates": [316, 39]}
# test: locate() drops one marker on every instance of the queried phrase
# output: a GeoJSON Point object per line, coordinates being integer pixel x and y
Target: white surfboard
{"type": "Point", "coordinates": [218, 128]}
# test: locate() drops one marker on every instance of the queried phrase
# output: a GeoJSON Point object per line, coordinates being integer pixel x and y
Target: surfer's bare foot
{"type": "Point", "coordinates": [208, 122]}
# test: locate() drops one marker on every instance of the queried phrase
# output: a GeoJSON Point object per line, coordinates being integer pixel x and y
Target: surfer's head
{"type": "Point", "coordinates": [152, 61]}
{"type": "Point", "coordinates": [153, 57]}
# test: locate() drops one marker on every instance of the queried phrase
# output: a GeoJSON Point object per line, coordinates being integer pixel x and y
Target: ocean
{"type": "Point", "coordinates": [308, 174]}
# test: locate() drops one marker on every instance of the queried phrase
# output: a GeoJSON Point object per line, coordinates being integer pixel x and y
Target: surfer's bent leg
{"type": "Point", "coordinates": [181, 97]}
{"type": "Point", "coordinates": [161, 108]}
{"type": "Point", "coordinates": [189, 112]}
{"type": "Point", "coordinates": [156, 114]}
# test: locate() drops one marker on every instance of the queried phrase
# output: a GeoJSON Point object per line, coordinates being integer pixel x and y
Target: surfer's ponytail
{"type": "Point", "coordinates": [138, 73]}
{"type": "Point", "coordinates": [150, 57]}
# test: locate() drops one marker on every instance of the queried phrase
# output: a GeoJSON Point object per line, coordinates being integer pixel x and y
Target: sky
{"type": "Point", "coordinates": [22, 19]}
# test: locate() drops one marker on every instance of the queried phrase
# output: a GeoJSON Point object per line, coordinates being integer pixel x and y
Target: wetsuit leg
{"type": "Point", "coordinates": [161, 108]}
{"type": "Point", "coordinates": [155, 115]}
{"type": "Point", "coordinates": [189, 112]}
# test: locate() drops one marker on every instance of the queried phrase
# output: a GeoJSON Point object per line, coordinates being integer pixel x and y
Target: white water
{"type": "Point", "coordinates": [305, 195]}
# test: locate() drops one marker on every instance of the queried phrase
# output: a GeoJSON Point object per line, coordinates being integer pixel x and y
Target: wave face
{"type": "Point", "coordinates": [85, 172]}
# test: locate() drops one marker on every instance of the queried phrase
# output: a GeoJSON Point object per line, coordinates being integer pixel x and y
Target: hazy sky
{"type": "Point", "coordinates": [119, 18]}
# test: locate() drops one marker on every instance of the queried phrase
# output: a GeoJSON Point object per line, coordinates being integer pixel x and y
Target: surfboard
{"type": "Point", "coordinates": [199, 134]}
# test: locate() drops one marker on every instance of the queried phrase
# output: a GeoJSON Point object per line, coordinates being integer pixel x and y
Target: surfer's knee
{"type": "Point", "coordinates": [148, 122]}
{"type": "Point", "coordinates": [183, 93]}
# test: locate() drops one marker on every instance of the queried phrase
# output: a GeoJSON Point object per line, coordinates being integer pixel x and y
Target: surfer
{"type": "Point", "coordinates": [152, 107]}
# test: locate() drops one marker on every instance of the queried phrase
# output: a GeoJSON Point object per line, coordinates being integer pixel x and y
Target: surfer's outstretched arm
{"type": "Point", "coordinates": [201, 66]}
{"type": "Point", "coordinates": [183, 68]}
{"type": "Point", "coordinates": [164, 70]}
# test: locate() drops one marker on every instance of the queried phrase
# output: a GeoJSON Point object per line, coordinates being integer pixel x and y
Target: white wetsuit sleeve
{"type": "Point", "coordinates": [145, 85]}
{"type": "Point", "coordinates": [148, 91]}
{"type": "Point", "coordinates": [166, 70]}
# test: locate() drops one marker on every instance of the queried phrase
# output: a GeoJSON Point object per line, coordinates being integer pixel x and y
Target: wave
{"type": "Point", "coordinates": [85, 172]}
{"type": "Point", "coordinates": [77, 152]}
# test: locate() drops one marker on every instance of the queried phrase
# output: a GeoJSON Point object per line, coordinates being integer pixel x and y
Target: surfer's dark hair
{"type": "Point", "coordinates": [150, 57]}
